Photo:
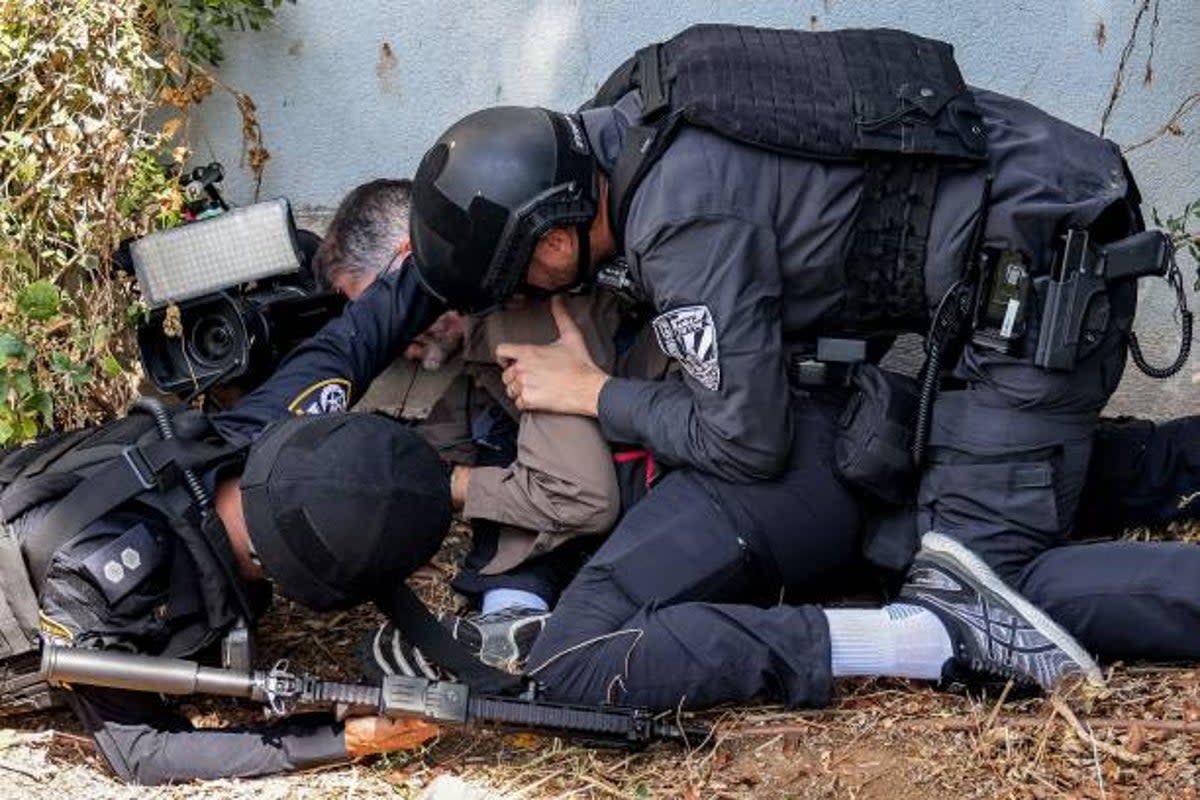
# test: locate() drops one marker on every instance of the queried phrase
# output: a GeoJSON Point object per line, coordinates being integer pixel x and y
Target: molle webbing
{"type": "Point", "coordinates": [885, 268]}
{"type": "Point", "coordinates": [891, 101]}
{"type": "Point", "coordinates": [832, 95]}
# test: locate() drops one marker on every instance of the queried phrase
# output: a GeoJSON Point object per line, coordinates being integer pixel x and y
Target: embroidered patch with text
{"type": "Point", "coordinates": [689, 336]}
{"type": "Point", "coordinates": [323, 397]}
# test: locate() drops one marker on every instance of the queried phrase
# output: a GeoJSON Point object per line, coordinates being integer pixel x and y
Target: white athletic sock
{"type": "Point", "coordinates": [898, 640]}
{"type": "Point", "coordinates": [499, 599]}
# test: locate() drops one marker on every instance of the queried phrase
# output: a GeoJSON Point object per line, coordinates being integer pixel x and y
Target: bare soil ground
{"type": "Point", "coordinates": [883, 739]}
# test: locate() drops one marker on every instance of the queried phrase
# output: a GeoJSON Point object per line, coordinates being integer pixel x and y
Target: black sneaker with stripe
{"type": "Point", "coordinates": [996, 633]}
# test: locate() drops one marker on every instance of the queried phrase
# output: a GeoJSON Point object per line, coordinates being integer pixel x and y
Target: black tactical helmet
{"type": "Point", "coordinates": [341, 507]}
{"type": "Point", "coordinates": [490, 187]}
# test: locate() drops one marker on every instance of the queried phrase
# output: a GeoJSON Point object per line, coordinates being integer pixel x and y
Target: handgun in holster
{"type": "Point", "coordinates": [1074, 312]}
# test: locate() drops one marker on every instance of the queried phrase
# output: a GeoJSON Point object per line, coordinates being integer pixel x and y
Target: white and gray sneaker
{"type": "Point", "coordinates": [501, 639]}
{"type": "Point", "coordinates": [996, 633]}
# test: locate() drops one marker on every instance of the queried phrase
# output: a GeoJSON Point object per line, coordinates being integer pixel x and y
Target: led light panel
{"type": "Point", "coordinates": [241, 245]}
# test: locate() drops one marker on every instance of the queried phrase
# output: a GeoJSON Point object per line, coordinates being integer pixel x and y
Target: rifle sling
{"type": "Point", "coordinates": [122, 479]}
{"type": "Point", "coordinates": [422, 630]}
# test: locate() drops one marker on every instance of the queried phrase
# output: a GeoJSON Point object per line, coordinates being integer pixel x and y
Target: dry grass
{"type": "Point", "coordinates": [880, 739]}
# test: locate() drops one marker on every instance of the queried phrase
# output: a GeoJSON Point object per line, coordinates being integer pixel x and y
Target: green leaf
{"type": "Point", "coordinates": [6, 432]}
{"type": "Point", "coordinates": [13, 347]}
{"type": "Point", "coordinates": [39, 300]}
{"type": "Point", "coordinates": [81, 376]}
{"type": "Point", "coordinates": [77, 373]}
{"type": "Point", "coordinates": [137, 313]}
{"type": "Point", "coordinates": [22, 384]}
{"type": "Point", "coordinates": [110, 366]}
{"type": "Point", "coordinates": [42, 403]}
{"type": "Point", "coordinates": [61, 362]}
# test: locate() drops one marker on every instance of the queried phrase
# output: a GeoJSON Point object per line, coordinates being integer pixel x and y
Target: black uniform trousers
{"type": "Point", "coordinates": [682, 603]}
{"type": "Point", "coordinates": [1008, 465]}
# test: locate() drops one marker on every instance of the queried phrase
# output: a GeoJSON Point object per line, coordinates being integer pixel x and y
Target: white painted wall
{"type": "Point", "coordinates": [356, 89]}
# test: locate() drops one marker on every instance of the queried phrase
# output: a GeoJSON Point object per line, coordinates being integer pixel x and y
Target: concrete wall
{"type": "Point", "coordinates": [351, 90]}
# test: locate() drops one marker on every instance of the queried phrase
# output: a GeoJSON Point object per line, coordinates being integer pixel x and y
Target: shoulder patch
{"type": "Point", "coordinates": [689, 335]}
{"type": "Point", "coordinates": [330, 396]}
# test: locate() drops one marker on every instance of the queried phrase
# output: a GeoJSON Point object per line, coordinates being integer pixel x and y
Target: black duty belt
{"type": "Point", "coordinates": [827, 362]}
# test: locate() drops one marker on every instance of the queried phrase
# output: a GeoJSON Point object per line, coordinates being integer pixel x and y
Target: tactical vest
{"type": "Point", "coordinates": [127, 467]}
{"type": "Point", "coordinates": [893, 102]}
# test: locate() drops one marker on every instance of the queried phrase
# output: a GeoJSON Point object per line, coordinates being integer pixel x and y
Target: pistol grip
{"type": "Point", "coordinates": [1145, 253]}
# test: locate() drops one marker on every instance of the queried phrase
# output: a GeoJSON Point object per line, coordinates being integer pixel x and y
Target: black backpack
{"type": "Point", "coordinates": [146, 462]}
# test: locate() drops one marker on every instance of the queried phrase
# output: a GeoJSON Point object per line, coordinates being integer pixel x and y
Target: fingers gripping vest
{"type": "Point", "coordinates": [891, 101]}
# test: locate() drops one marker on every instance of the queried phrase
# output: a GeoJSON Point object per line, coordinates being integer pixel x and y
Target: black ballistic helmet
{"type": "Point", "coordinates": [484, 194]}
{"type": "Point", "coordinates": [341, 507]}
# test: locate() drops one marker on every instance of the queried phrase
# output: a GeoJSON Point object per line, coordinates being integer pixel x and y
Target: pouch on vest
{"type": "Point", "coordinates": [873, 447]}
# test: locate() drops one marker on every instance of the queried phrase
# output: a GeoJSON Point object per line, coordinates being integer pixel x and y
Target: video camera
{"type": "Point", "coordinates": [230, 293]}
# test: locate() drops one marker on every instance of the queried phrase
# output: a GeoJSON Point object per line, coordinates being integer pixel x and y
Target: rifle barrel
{"type": "Point", "coordinates": [141, 673]}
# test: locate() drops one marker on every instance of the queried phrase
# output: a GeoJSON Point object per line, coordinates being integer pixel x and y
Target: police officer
{"type": "Point", "coordinates": [311, 508]}
{"type": "Point", "coordinates": [747, 254]}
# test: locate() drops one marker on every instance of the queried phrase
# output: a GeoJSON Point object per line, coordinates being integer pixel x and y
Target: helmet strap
{"type": "Point", "coordinates": [584, 274]}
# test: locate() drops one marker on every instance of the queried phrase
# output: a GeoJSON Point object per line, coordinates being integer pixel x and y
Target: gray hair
{"type": "Point", "coordinates": [367, 228]}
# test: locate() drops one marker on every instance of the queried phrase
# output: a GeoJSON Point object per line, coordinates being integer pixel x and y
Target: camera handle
{"type": "Point", "coordinates": [202, 182]}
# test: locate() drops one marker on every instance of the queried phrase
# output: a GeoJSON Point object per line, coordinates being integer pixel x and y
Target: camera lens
{"type": "Point", "coordinates": [212, 340]}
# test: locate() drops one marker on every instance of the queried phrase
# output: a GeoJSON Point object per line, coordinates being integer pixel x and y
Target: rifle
{"type": "Point", "coordinates": [283, 692]}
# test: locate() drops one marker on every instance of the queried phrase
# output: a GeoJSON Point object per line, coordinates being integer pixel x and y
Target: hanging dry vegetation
{"type": "Point", "coordinates": [94, 97]}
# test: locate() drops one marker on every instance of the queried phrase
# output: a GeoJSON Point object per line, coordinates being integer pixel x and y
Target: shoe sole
{"type": "Point", "coordinates": [960, 559]}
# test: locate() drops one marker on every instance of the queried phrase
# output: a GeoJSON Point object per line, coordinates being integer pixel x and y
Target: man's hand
{"type": "Point", "coordinates": [439, 342]}
{"type": "Point", "coordinates": [559, 377]}
{"type": "Point", "coordinates": [367, 735]}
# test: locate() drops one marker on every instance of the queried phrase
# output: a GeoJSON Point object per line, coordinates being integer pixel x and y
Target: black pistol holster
{"type": "Point", "coordinates": [1075, 310]}
{"type": "Point", "coordinates": [873, 448]}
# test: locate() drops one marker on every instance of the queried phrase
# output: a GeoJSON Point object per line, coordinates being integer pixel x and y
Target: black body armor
{"type": "Point", "coordinates": [886, 99]}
